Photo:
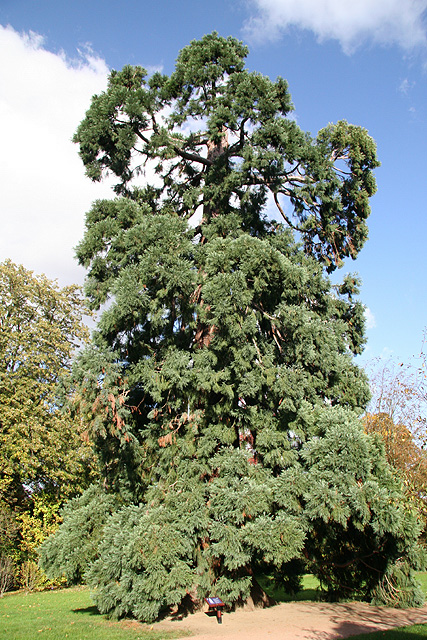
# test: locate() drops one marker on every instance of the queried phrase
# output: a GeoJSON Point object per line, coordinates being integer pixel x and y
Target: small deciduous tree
{"type": "Point", "coordinates": [7, 573]}
{"type": "Point", "coordinates": [399, 391]}
{"type": "Point", "coordinates": [402, 451]}
{"type": "Point", "coordinates": [221, 385]}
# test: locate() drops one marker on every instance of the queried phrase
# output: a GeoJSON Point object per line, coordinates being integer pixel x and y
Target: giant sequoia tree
{"type": "Point", "coordinates": [221, 382]}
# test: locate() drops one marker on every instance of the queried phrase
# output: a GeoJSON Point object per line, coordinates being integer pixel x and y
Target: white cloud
{"type": "Point", "coordinates": [405, 86]}
{"type": "Point", "coordinates": [351, 22]}
{"type": "Point", "coordinates": [151, 69]}
{"type": "Point", "coordinates": [44, 193]}
{"type": "Point", "coordinates": [370, 319]}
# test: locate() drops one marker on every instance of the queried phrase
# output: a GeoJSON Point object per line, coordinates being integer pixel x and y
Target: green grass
{"type": "Point", "coordinates": [422, 579]}
{"type": "Point", "coordinates": [66, 614]}
{"type": "Point", "coordinates": [309, 589]}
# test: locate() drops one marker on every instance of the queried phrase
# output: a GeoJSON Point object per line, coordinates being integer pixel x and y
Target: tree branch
{"type": "Point", "coordinates": [284, 216]}
{"type": "Point", "coordinates": [192, 157]}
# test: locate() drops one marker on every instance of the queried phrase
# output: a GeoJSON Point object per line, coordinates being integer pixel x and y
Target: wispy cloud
{"type": "Point", "coordinates": [351, 22]}
{"type": "Point", "coordinates": [154, 69]}
{"type": "Point", "coordinates": [405, 86]}
{"type": "Point", "coordinates": [370, 319]}
{"type": "Point", "coordinates": [386, 353]}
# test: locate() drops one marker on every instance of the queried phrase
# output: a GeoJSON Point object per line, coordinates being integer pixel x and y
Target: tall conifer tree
{"type": "Point", "coordinates": [221, 383]}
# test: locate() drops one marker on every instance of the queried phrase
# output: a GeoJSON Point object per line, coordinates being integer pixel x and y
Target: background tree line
{"type": "Point", "coordinates": [45, 454]}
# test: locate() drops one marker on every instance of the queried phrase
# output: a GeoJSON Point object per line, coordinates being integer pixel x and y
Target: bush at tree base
{"type": "Point", "coordinates": [221, 385]}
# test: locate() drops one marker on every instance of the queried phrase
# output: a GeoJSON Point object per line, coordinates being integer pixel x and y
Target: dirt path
{"type": "Point", "coordinates": [294, 620]}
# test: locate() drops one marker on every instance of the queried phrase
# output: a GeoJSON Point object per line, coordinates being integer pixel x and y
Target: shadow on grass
{"type": "Point", "coordinates": [310, 591]}
{"type": "Point", "coordinates": [90, 611]}
{"type": "Point", "coordinates": [404, 633]}
{"type": "Point", "coordinates": [361, 621]}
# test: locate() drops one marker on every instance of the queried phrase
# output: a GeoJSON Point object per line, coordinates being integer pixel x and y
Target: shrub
{"type": "Point", "coordinates": [7, 573]}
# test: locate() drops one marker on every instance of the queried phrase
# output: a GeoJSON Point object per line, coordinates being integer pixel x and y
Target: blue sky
{"type": "Point", "coordinates": [360, 60]}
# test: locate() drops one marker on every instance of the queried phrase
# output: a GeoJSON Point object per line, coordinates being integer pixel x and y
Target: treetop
{"type": "Point", "coordinates": [214, 139]}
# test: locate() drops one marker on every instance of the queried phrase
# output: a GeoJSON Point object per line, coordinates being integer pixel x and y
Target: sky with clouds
{"type": "Point", "coordinates": [360, 60]}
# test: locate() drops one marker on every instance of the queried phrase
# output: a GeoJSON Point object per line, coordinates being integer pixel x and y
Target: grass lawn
{"type": "Point", "coordinates": [64, 614]}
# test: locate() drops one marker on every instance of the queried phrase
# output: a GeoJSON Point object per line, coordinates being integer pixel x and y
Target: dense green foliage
{"type": "Point", "coordinates": [76, 543]}
{"type": "Point", "coordinates": [221, 385]}
{"type": "Point", "coordinates": [41, 325]}
{"type": "Point", "coordinates": [220, 136]}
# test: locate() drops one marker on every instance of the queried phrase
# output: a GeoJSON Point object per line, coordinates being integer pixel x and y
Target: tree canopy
{"type": "Point", "coordinates": [220, 384]}
{"type": "Point", "coordinates": [41, 326]}
{"type": "Point", "coordinates": [221, 137]}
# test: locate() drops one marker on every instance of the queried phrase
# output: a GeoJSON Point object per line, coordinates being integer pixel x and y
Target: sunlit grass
{"type": "Point", "coordinates": [65, 614]}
